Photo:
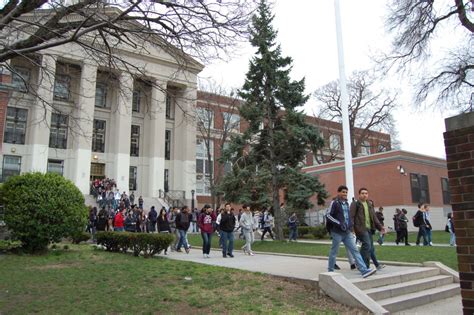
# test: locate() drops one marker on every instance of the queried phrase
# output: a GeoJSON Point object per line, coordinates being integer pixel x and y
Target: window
{"type": "Point", "coordinates": [132, 181]}
{"type": "Point", "coordinates": [365, 148]}
{"type": "Point", "coordinates": [231, 122]}
{"type": "Point", "coordinates": [335, 142]}
{"type": "Point", "coordinates": [58, 131]}
{"type": "Point", "coordinates": [167, 180]}
{"type": "Point", "coordinates": [445, 189]}
{"type": "Point", "coordinates": [381, 148]}
{"type": "Point", "coordinates": [98, 136]}
{"type": "Point", "coordinates": [101, 95]}
{"type": "Point", "coordinates": [11, 166]}
{"type": "Point", "coordinates": [61, 87]}
{"type": "Point", "coordinates": [419, 188]}
{"type": "Point", "coordinates": [21, 78]}
{"type": "Point", "coordinates": [55, 166]}
{"type": "Point", "coordinates": [169, 106]}
{"type": "Point", "coordinates": [15, 125]}
{"type": "Point", "coordinates": [136, 100]}
{"type": "Point", "coordinates": [205, 118]}
{"type": "Point", "coordinates": [135, 141]}
{"type": "Point", "coordinates": [203, 166]}
{"type": "Point", "coordinates": [168, 145]}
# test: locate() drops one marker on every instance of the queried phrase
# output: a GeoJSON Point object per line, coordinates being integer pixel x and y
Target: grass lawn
{"type": "Point", "coordinates": [415, 254]}
{"type": "Point", "coordinates": [82, 280]}
{"type": "Point", "coordinates": [439, 237]}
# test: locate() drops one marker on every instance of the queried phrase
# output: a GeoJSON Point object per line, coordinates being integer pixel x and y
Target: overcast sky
{"type": "Point", "coordinates": [307, 33]}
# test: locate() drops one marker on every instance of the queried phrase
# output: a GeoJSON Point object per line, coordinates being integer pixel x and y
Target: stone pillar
{"type": "Point", "coordinates": [40, 117]}
{"type": "Point", "coordinates": [184, 142]}
{"type": "Point", "coordinates": [156, 134]}
{"type": "Point", "coordinates": [82, 121]}
{"type": "Point", "coordinates": [121, 132]}
{"type": "Point", "coordinates": [459, 143]}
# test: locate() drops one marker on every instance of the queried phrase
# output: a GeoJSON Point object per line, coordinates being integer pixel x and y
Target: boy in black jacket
{"type": "Point", "coordinates": [183, 220]}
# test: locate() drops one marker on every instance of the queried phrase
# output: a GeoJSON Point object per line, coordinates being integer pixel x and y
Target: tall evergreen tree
{"type": "Point", "coordinates": [267, 156]}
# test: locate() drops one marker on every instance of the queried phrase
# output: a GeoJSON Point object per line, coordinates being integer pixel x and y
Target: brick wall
{"type": "Point", "coordinates": [459, 143]}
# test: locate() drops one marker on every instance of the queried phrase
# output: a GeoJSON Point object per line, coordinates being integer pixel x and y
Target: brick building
{"type": "Point", "coordinates": [395, 179]}
{"type": "Point", "coordinates": [218, 117]}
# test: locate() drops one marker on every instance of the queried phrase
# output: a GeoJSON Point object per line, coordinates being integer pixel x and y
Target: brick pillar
{"type": "Point", "coordinates": [459, 143]}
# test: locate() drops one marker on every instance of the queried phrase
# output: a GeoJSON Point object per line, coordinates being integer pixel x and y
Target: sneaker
{"type": "Point", "coordinates": [207, 256]}
{"type": "Point", "coordinates": [336, 267]}
{"type": "Point", "coordinates": [204, 256]}
{"type": "Point", "coordinates": [224, 255]}
{"type": "Point", "coordinates": [380, 267]}
{"type": "Point", "coordinates": [353, 267]}
{"type": "Point", "coordinates": [244, 249]}
{"type": "Point", "coordinates": [251, 254]}
{"type": "Point", "coordinates": [407, 244]}
{"type": "Point", "coordinates": [368, 273]}
{"type": "Point", "coordinates": [187, 250]}
{"type": "Point", "coordinates": [230, 255]}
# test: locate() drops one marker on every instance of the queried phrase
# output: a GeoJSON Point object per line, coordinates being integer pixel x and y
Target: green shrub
{"type": "Point", "coordinates": [66, 247]}
{"type": "Point", "coordinates": [147, 243]}
{"type": "Point", "coordinates": [9, 245]}
{"type": "Point", "coordinates": [42, 208]}
{"type": "Point", "coordinates": [79, 237]}
{"type": "Point", "coordinates": [319, 231]}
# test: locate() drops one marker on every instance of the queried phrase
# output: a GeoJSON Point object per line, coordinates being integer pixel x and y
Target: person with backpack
{"type": "Point", "coordinates": [380, 217]}
{"type": "Point", "coordinates": [450, 227]}
{"type": "Point", "coordinates": [419, 221]}
{"type": "Point", "coordinates": [339, 226]}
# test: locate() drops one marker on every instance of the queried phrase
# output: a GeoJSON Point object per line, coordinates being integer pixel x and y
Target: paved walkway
{"type": "Point", "coordinates": [303, 267]}
{"type": "Point", "coordinates": [375, 243]}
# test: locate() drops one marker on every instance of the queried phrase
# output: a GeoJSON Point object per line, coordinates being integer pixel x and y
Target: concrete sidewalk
{"type": "Point", "coordinates": [304, 268]}
{"type": "Point", "coordinates": [375, 243]}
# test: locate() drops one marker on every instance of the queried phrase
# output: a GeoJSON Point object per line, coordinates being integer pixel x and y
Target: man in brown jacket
{"type": "Point", "coordinates": [365, 223]}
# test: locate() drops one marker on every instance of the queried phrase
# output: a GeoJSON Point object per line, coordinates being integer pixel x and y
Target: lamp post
{"type": "Point", "coordinates": [192, 199]}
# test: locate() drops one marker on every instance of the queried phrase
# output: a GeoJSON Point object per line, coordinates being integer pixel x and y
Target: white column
{"type": "Point", "coordinates": [184, 171]}
{"type": "Point", "coordinates": [344, 105]}
{"type": "Point", "coordinates": [82, 123]}
{"type": "Point", "coordinates": [121, 133]}
{"type": "Point", "coordinates": [156, 134]}
{"type": "Point", "coordinates": [40, 117]}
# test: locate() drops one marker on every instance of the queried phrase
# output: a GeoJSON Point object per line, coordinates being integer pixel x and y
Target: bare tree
{"type": "Point", "coordinates": [188, 32]}
{"type": "Point", "coordinates": [415, 24]}
{"type": "Point", "coordinates": [370, 111]}
{"type": "Point", "coordinates": [218, 118]}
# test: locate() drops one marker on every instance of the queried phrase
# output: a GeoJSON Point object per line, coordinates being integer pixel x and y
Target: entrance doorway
{"type": "Point", "coordinates": [97, 171]}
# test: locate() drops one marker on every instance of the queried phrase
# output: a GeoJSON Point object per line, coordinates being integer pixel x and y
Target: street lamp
{"type": "Point", "coordinates": [192, 199]}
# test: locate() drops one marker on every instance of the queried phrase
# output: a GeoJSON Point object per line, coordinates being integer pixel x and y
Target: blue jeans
{"type": "Point", "coordinates": [349, 243]}
{"type": "Point", "coordinates": [293, 234]}
{"type": "Point", "coordinates": [119, 229]}
{"type": "Point", "coordinates": [452, 239]}
{"type": "Point", "coordinates": [227, 242]}
{"type": "Point", "coordinates": [182, 240]}
{"type": "Point", "coordinates": [206, 242]}
{"type": "Point", "coordinates": [367, 250]}
{"type": "Point", "coordinates": [422, 232]}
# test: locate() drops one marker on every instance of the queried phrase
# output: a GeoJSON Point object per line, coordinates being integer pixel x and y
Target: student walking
{"type": "Point", "coordinates": [267, 224]}
{"type": "Point", "coordinates": [452, 239]}
{"type": "Point", "coordinates": [183, 221]}
{"type": "Point", "coordinates": [205, 220]}
{"type": "Point", "coordinates": [419, 220]}
{"type": "Point", "coordinates": [404, 227]}
{"type": "Point", "coordinates": [340, 227]}
{"type": "Point", "coordinates": [365, 222]}
{"type": "Point", "coordinates": [292, 227]}
{"type": "Point", "coordinates": [163, 224]}
{"type": "Point", "coordinates": [227, 225]}
{"type": "Point", "coordinates": [247, 224]}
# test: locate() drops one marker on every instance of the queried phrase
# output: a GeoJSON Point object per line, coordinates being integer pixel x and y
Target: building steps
{"type": "Point", "coordinates": [407, 289]}
{"type": "Point", "coordinates": [423, 297]}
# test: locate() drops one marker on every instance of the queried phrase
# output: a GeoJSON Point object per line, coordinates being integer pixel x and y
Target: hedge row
{"type": "Point", "coordinates": [8, 245]}
{"type": "Point", "coordinates": [147, 243]}
{"type": "Point", "coordinates": [318, 231]}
